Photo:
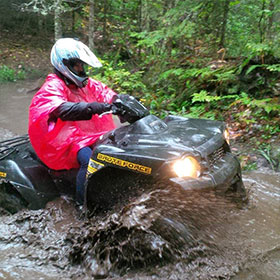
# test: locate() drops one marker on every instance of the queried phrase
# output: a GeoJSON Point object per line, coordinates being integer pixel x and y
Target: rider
{"type": "Point", "coordinates": [63, 115]}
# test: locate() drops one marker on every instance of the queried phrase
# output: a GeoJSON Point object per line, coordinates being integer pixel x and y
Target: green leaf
{"type": "Point", "coordinates": [253, 67]}
{"type": "Point", "coordinates": [204, 96]}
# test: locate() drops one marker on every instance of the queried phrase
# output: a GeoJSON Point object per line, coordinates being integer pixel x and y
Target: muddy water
{"type": "Point", "coordinates": [14, 103]}
{"type": "Point", "coordinates": [164, 234]}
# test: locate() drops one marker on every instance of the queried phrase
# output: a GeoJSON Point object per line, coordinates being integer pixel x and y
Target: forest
{"type": "Point", "coordinates": [216, 59]}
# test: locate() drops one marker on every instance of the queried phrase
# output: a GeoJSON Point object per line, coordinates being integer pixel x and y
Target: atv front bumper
{"type": "Point", "coordinates": [223, 174]}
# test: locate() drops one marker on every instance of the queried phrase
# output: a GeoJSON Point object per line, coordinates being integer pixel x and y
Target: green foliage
{"type": "Point", "coordinates": [10, 75]}
{"type": "Point", "coordinates": [191, 85]}
{"type": "Point", "coordinates": [271, 130]}
{"type": "Point", "coordinates": [202, 111]}
{"type": "Point", "coordinates": [259, 49]}
{"type": "Point", "coordinates": [209, 106]}
{"type": "Point", "coordinates": [267, 104]}
{"type": "Point", "coordinates": [120, 79]}
{"type": "Point", "coordinates": [204, 96]}
{"type": "Point", "coordinates": [273, 67]}
{"type": "Point", "coordinates": [168, 53]}
{"type": "Point", "coordinates": [249, 166]}
{"type": "Point", "coordinates": [266, 151]}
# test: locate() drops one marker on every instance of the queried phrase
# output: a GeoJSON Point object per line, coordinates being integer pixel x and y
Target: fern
{"type": "Point", "coordinates": [266, 104]}
{"type": "Point", "coordinates": [273, 68]}
{"type": "Point", "coordinates": [204, 96]}
{"type": "Point", "coordinates": [253, 67]}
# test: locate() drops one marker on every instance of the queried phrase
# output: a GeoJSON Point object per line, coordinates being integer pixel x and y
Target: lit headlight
{"type": "Point", "coordinates": [226, 135]}
{"type": "Point", "coordinates": [187, 167]}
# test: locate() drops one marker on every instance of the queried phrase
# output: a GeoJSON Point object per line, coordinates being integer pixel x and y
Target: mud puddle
{"type": "Point", "coordinates": [15, 100]}
{"type": "Point", "coordinates": [161, 235]}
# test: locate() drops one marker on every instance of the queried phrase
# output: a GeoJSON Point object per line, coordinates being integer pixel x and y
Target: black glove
{"type": "Point", "coordinates": [99, 108]}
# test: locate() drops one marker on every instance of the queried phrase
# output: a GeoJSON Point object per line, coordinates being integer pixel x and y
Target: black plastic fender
{"type": "Point", "coordinates": [31, 181]}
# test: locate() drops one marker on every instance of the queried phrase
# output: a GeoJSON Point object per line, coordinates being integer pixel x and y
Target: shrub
{"type": "Point", "coordinates": [10, 75]}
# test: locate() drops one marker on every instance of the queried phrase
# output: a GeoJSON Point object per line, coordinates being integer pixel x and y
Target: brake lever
{"type": "Point", "coordinates": [105, 113]}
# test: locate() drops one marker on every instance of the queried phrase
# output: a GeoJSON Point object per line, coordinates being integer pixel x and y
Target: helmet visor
{"type": "Point", "coordinates": [76, 66]}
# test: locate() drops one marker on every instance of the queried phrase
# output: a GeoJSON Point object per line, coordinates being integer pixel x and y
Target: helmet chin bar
{"type": "Point", "coordinates": [80, 82]}
{"type": "Point", "coordinates": [85, 82]}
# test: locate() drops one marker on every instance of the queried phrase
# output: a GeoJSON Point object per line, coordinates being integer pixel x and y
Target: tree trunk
{"type": "Point", "coordinates": [224, 24]}
{"type": "Point", "coordinates": [91, 25]}
{"type": "Point", "coordinates": [73, 22]}
{"type": "Point", "coordinates": [105, 21]}
{"type": "Point", "coordinates": [271, 19]}
{"type": "Point", "coordinates": [57, 20]}
{"type": "Point", "coordinates": [140, 15]}
{"type": "Point", "coordinates": [144, 15]}
{"type": "Point", "coordinates": [261, 25]}
{"type": "Point", "coordinates": [40, 22]}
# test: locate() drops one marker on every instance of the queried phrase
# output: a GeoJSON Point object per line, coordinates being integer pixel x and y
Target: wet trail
{"type": "Point", "coordinates": [161, 235]}
{"type": "Point", "coordinates": [164, 234]}
{"type": "Point", "coordinates": [14, 104]}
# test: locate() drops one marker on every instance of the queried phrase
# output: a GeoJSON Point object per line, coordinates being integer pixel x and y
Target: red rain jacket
{"type": "Point", "coordinates": [57, 145]}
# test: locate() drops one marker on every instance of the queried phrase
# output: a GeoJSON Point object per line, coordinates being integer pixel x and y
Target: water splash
{"type": "Point", "coordinates": [162, 234]}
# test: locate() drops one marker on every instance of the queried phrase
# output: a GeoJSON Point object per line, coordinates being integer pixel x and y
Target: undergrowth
{"type": "Point", "coordinates": [8, 74]}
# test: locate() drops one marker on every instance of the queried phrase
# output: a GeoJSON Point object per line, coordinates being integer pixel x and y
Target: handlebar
{"type": "Point", "coordinates": [128, 108]}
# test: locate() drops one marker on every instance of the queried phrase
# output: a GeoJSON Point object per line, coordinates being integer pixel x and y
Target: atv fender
{"type": "Point", "coordinates": [30, 180]}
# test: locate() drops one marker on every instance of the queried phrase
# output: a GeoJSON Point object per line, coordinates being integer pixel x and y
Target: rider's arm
{"type": "Point", "coordinates": [71, 111]}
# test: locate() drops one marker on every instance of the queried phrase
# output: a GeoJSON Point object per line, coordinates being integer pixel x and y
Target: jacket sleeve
{"type": "Point", "coordinates": [71, 111]}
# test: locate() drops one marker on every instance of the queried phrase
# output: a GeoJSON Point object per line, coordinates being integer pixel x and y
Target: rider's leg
{"type": "Point", "coordinates": [83, 157]}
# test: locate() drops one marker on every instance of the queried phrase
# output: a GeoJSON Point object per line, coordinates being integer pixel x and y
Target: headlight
{"type": "Point", "coordinates": [187, 167]}
{"type": "Point", "coordinates": [226, 135]}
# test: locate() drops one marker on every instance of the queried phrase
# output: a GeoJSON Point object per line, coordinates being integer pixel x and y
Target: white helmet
{"type": "Point", "coordinates": [65, 52]}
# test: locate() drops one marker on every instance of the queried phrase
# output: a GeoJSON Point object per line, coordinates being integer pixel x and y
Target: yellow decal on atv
{"type": "Point", "coordinates": [91, 169]}
{"type": "Point", "coordinates": [124, 163]}
{"type": "Point", "coordinates": [3, 174]}
{"type": "Point", "coordinates": [93, 166]}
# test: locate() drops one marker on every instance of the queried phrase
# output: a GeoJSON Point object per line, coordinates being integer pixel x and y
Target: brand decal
{"type": "Point", "coordinates": [125, 164]}
{"type": "Point", "coordinates": [93, 166]}
{"type": "Point", "coordinates": [3, 174]}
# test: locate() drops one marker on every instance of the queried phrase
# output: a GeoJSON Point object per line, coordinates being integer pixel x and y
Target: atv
{"type": "Point", "coordinates": [190, 154]}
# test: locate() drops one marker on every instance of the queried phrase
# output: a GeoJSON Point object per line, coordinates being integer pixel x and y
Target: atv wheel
{"type": "Point", "coordinates": [110, 188]}
{"type": "Point", "coordinates": [10, 199]}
